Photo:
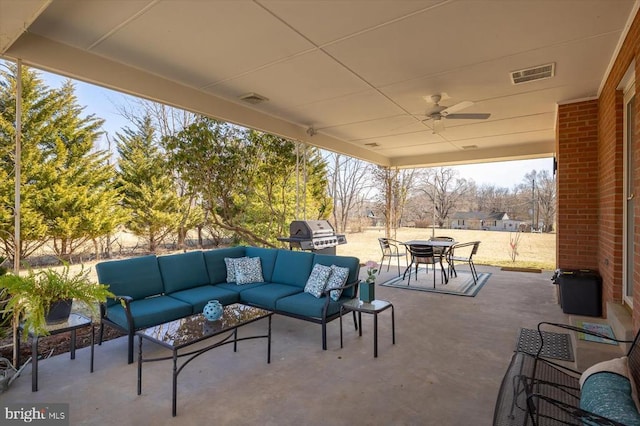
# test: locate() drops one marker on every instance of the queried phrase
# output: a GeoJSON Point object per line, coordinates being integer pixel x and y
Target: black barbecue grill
{"type": "Point", "coordinates": [314, 235]}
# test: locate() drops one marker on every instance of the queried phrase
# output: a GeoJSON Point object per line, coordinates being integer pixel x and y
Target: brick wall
{"type": "Point", "coordinates": [590, 179]}
{"type": "Point", "coordinates": [611, 176]}
{"type": "Point", "coordinates": [577, 185]}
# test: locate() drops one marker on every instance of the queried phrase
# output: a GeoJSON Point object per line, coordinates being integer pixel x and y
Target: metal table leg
{"type": "Point", "coordinates": [341, 310]}
{"type": "Point", "coordinates": [175, 382]}
{"type": "Point", "coordinates": [92, 346]}
{"type": "Point", "coordinates": [375, 335]}
{"type": "Point", "coordinates": [393, 325]}
{"type": "Point", "coordinates": [73, 344]}
{"type": "Point", "coordinates": [34, 364]}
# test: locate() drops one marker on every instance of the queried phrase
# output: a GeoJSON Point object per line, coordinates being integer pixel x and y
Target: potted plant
{"type": "Point", "coordinates": [37, 295]}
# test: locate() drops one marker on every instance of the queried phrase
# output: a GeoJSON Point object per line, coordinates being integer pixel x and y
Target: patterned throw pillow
{"type": "Point", "coordinates": [231, 268]}
{"type": "Point", "coordinates": [248, 270]}
{"type": "Point", "coordinates": [338, 278]}
{"type": "Point", "coordinates": [317, 280]}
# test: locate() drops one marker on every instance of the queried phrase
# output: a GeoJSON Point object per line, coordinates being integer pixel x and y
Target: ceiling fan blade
{"type": "Point", "coordinates": [457, 107]}
{"type": "Point", "coordinates": [478, 116]}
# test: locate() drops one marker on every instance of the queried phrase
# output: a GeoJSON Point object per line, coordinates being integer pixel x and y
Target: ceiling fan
{"type": "Point", "coordinates": [438, 112]}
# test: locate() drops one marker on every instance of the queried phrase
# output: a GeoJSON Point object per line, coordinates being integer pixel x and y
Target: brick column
{"type": "Point", "coordinates": [577, 185]}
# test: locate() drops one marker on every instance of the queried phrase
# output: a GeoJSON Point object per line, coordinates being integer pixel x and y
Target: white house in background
{"type": "Point", "coordinates": [489, 221]}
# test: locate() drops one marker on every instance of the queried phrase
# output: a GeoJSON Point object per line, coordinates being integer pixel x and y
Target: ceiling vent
{"type": "Point", "coordinates": [371, 144]}
{"type": "Point", "coordinates": [253, 98]}
{"type": "Point", "coordinates": [470, 147]}
{"type": "Point", "coordinates": [540, 72]}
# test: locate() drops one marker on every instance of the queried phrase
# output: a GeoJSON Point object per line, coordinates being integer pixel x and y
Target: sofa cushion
{"type": "Point", "coordinates": [182, 271]}
{"type": "Point", "coordinates": [265, 296]}
{"type": "Point", "coordinates": [609, 395]}
{"type": "Point", "coordinates": [137, 277]}
{"type": "Point", "coordinates": [199, 296]}
{"type": "Point", "coordinates": [338, 278]}
{"type": "Point", "coordinates": [248, 270]}
{"type": "Point", "coordinates": [616, 365]}
{"type": "Point", "coordinates": [353, 263]}
{"type": "Point", "coordinates": [317, 281]}
{"type": "Point", "coordinates": [238, 288]}
{"type": "Point", "coordinates": [216, 267]}
{"type": "Point", "coordinates": [151, 311]}
{"type": "Point", "coordinates": [293, 268]}
{"type": "Point", "coordinates": [306, 305]}
{"type": "Point", "coordinates": [267, 259]}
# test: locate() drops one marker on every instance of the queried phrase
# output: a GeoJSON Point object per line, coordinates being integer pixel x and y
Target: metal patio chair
{"type": "Point", "coordinates": [422, 254]}
{"type": "Point", "coordinates": [390, 249]}
{"type": "Point", "coordinates": [463, 252]}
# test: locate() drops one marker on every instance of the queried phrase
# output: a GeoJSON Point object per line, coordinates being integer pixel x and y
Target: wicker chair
{"type": "Point", "coordinates": [536, 391]}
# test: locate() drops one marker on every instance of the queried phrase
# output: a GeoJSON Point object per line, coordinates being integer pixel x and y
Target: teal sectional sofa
{"type": "Point", "coordinates": [153, 289]}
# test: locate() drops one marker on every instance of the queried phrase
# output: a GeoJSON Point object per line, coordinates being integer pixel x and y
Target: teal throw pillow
{"type": "Point", "coordinates": [317, 280]}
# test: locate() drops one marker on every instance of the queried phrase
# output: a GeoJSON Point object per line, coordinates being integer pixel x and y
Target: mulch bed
{"type": "Point", "coordinates": [55, 345]}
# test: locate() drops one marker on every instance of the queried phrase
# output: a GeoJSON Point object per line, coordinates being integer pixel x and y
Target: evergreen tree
{"type": "Point", "coordinates": [65, 184]}
{"type": "Point", "coordinates": [149, 194]}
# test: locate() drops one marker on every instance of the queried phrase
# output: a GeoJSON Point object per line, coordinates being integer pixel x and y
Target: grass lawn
{"type": "Point", "coordinates": [534, 250]}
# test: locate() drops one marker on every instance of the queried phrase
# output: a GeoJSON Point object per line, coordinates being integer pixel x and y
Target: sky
{"type": "Point", "coordinates": [104, 104]}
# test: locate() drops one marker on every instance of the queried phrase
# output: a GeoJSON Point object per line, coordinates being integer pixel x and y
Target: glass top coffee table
{"type": "Point", "coordinates": [181, 334]}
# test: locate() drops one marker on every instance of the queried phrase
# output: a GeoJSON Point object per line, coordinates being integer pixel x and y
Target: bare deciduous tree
{"type": "Point", "coordinates": [349, 186]}
{"type": "Point", "coordinates": [445, 190]}
{"type": "Point", "coordinates": [395, 186]}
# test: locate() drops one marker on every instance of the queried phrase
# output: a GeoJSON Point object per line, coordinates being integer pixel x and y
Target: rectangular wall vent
{"type": "Point", "coordinates": [540, 72]}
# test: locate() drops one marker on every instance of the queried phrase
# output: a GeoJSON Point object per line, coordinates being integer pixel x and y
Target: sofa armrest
{"type": "Point", "coordinates": [573, 328]}
{"type": "Point", "coordinates": [327, 293]}
{"type": "Point", "coordinates": [125, 301]}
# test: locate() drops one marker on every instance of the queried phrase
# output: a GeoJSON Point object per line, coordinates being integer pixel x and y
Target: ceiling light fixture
{"type": "Point", "coordinates": [253, 98]}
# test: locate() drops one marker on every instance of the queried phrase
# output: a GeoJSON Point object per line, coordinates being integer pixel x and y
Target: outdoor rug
{"type": "Point", "coordinates": [556, 345]}
{"type": "Point", "coordinates": [596, 328]}
{"type": "Point", "coordinates": [462, 285]}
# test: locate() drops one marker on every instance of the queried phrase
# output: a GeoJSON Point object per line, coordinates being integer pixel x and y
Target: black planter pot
{"type": "Point", "coordinates": [58, 311]}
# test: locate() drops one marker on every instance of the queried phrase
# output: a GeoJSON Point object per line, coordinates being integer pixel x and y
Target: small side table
{"type": "Point", "coordinates": [75, 322]}
{"type": "Point", "coordinates": [375, 307]}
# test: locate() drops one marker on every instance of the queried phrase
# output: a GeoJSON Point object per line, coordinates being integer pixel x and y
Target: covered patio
{"type": "Point", "coordinates": [450, 355]}
{"type": "Point", "coordinates": [360, 82]}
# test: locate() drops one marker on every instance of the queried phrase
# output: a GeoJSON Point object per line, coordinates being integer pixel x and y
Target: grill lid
{"type": "Point", "coordinates": [311, 229]}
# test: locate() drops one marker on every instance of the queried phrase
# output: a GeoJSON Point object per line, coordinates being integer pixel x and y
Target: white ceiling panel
{"type": "Point", "coordinates": [356, 71]}
{"type": "Point", "coordinates": [346, 18]}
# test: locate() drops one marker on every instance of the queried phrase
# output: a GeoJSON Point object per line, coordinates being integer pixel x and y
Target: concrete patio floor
{"type": "Point", "coordinates": [445, 369]}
